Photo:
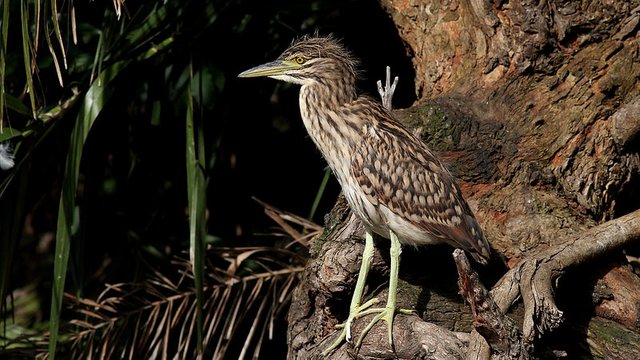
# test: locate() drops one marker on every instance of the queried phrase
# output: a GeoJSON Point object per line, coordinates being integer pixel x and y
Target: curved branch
{"type": "Point", "coordinates": [623, 126]}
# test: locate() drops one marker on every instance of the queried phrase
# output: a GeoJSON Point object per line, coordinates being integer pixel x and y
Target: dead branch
{"type": "Point", "coordinates": [500, 332]}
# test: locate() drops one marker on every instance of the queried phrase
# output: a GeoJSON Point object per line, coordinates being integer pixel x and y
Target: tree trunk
{"type": "Point", "coordinates": [535, 107]}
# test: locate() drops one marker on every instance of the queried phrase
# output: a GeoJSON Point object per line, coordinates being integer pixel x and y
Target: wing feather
{"type": "Point", "coordinates": [395, 168]}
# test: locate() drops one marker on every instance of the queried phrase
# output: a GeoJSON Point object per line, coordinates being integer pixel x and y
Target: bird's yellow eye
{"type": "Point", "coordinates": [300, 60]}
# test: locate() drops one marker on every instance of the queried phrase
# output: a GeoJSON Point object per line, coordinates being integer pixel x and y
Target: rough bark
{"type": "Point", "coordinates": [560, 75]}
{"type": "Point", "coordinates": [535, 107]}
{"type": "Point", "coordinates": [326, 286]}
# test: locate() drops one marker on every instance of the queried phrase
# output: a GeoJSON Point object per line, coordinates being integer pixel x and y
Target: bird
{"type": "Point", "coordinates": [390, 178]}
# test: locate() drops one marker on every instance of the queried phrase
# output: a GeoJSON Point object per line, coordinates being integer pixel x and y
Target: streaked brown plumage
{"type": "Point", "coordinates": [390, 178]}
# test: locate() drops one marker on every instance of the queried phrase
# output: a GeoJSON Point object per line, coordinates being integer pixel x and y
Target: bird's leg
{"type": "Point", "coordinates": [355, 309]}
{"type": "Point", "coordinates": [388, 311]}
{"type": "Point", "coordinates": [356, 299]}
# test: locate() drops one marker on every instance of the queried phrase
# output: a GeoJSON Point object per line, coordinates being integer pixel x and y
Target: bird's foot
{"type": "Point", "coordinates": [385, 314]}
{"type": "Point", "coordinates": [354, 314]}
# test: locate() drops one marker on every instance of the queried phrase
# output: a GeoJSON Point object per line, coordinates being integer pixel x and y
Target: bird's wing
{"type": "Point", "coordinates": [396, 169]}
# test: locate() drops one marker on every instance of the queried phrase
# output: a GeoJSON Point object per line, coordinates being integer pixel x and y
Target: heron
{"type": "Point", "coordinates": [390, 178]}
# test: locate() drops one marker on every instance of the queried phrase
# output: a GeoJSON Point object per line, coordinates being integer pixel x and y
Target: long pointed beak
{"type": "Point", "coordinates": [273, 68]}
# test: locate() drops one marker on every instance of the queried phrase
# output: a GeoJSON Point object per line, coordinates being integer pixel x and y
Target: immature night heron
{"type": "Point", "coordinates": [390, 178]}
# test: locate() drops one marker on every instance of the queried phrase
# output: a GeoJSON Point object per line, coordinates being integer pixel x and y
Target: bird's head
{"type": "Point", "coordinates": [310, 59]}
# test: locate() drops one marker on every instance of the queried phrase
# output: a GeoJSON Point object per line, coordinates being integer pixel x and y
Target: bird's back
{"type": "Point", "coordinates": [394, 182]}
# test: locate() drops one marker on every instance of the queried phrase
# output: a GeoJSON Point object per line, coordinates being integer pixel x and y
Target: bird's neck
{"type": "Point", "coordinates": [325, 114]}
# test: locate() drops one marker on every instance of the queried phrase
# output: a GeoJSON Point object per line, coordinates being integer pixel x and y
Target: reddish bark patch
{"type": "Point", "coordinates": [622, 301]}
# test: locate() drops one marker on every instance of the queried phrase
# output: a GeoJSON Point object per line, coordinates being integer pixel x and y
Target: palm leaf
{"type": "Point", "coordinates": [26, 51]}
{"type": "Point", "coordinates": [3, 56]}
{"type": "Point", "coordinates": [93, 103]}
{"type": "Point", "coordinates": [196, 190]}
{"type": "Point", "coordinates": [155, 318]}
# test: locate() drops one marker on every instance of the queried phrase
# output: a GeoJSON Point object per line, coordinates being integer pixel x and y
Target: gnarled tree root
{"type": "Point", "coordinates": [532, 279]}
{"type": "Point", "coordinates": [328, 276]}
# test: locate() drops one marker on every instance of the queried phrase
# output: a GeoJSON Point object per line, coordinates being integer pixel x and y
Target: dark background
{"type": "Point", "coordinates": [132, 201]}
{"type": "Point", "coordinates": [275, 160]}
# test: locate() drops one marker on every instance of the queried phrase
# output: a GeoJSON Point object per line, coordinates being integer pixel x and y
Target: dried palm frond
{"type": "Point", "coordinates": [286, 222]}
{"type": "Point", "coordinates": [246, 291]}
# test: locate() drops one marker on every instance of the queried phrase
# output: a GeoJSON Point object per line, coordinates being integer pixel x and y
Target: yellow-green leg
{"type": "Point", "coordinates": [388, 311]}
{"type": "Point", "coordinates": [355, 309]}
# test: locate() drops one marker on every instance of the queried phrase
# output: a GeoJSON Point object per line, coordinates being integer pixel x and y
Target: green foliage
{"type": "Point", "coordinates": [196, 186]}
{"type": "Point", "coordinates": [3, 61]}
{"type": "Point", "coordinates": [106, 105]}
{"type": "Point", "coordinates": [26, 52]}
{"type": "Point", "coordinates": [94, 101]}
{"type": "Point", "coordinates": [149, 33]}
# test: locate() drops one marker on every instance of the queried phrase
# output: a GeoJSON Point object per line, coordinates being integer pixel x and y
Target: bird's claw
{"type": "Point", "coordinates": [386, 314]}
{"type": "Point", "coordinates": [354, 314]}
